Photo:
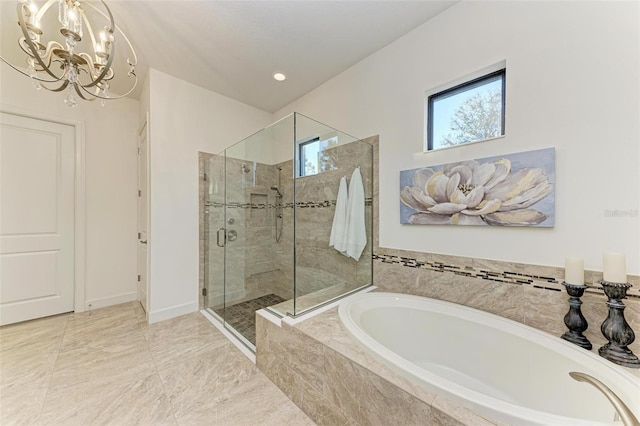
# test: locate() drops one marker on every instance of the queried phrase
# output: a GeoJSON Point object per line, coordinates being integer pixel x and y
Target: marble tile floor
{"type": "Point", "coordinates": [109, 367]}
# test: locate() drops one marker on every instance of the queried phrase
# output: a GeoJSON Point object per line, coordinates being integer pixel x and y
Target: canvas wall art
{"type": "Point", "coordinates": [509, 190]}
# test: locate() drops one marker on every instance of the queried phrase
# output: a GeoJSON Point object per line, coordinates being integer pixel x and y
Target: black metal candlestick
{"type": "Point", "coordinates": [616, 329]}
{"type": "Point", "coordinates": [574, 320]}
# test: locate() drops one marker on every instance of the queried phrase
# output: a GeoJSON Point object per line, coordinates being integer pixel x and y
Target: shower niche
{"type": "Point", "coordinates": [267, 210]}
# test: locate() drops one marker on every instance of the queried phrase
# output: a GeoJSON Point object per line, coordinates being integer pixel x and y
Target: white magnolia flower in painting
{"type": "Point", "coordinates": [471, 193]}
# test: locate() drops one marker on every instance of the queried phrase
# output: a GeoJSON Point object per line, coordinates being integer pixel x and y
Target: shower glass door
{"type": "Point", "coordinates": [214, 226]}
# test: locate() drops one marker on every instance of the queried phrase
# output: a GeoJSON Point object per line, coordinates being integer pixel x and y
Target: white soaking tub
{"type": "Point", "coordinates": [496, 367]}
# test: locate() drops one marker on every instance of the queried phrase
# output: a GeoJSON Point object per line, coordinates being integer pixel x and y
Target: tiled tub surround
{"type": "Point", "coordinates": [318, 365]}
{"type": "Point", "coordinates": [530, 294]}
{"type": "Point", "coordinates": [324, 372]}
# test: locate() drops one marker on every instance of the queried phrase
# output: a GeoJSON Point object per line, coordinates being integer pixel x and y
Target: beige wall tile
{"type": "Point", "coordinates": [343, 384]}
{"type": "Point", "coordinates": [384, 404]}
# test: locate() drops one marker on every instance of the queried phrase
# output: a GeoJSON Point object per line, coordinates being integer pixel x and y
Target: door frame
{"type": "Point", "coordinates": [79, 197]}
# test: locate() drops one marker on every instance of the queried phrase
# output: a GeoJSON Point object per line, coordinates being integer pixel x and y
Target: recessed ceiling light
{"type": "Point", "coordinates": [279, 76]}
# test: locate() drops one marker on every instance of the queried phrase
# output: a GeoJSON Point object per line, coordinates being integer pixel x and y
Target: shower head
{"type": "Point", "coordinates": [275, 188]}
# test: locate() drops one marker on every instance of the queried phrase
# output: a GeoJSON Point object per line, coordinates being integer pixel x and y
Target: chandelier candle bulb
{"type": "Point", "coordinates": [71, 18]}
{"type": "Point", "coordinates": [614, 268]}
{"type": "Point", "coordinates": [34, 11]}
{"type": "Point", "coordinates": [103, 41]}
{"type": "Point", "coordinates": [574, 270]}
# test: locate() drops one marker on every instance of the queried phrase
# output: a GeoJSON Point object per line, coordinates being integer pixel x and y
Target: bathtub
{"type": "Point", "coordinates": [496, 367]}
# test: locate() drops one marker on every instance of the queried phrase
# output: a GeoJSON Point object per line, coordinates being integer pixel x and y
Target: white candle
{"type": "Point", "coordinates": [33, 18]}
{"type": "Point", "coordinates": [615, 268]}
{"type": "Point", "coordinates": [574, 271]}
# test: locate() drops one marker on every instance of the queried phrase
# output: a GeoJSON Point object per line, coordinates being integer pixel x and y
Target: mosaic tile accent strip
{"type": "Point", "coordinates": [537, 281]}
{"type": "Point", "coordinates": [300, 204]}
{"type": "Point", "coordinates": [242, 316]}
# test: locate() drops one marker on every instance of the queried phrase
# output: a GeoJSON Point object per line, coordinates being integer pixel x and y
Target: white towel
{"type": "Point", "coordinates": [356, 229]}
{"type": "Point", "coordinates": [338, 238]}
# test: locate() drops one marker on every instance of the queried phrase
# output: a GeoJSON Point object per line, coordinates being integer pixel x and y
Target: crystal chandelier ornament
{"type": "Point", "coordinates": [55, 66]}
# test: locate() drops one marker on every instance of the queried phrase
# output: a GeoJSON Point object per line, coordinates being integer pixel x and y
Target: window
{"type": "Point", "coordinates": [313, 158]}
{"type": "Point", "coordinates": [469, 112]}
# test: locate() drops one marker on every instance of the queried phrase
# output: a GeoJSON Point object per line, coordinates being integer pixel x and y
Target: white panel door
{"type": "Point", "coordinates": [143, 191]}
{"type": "Point", "coordinates": [37, 170]}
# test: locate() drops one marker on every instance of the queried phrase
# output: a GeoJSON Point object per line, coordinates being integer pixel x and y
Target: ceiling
{"type": "Point", "coordinates": [234, 47]}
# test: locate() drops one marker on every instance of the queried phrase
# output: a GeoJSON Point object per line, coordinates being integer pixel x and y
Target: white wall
{"type": "Point", "coordinates": [572, 83]}
{"type": "Point", "coordinates": [110, 141]}
{"type": "Point", "coordinates": [184, 119]}
{"type": "Point", "coordinates": [145, 100]}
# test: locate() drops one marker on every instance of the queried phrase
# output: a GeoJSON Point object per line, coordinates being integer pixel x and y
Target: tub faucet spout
{"type": "Point", "coordinates": [625, 413]}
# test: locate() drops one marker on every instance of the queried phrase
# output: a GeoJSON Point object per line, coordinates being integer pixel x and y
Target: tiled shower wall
{"type": "Point", "coordinates": [258, 265]}
{"type": "Point", "coordinates": [319, 266]}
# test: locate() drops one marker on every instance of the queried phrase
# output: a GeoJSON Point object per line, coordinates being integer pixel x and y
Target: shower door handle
{"type": "Point", "coordinates": [224, 237]}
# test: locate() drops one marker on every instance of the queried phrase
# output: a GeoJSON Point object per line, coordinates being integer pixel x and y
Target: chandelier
{"type": "Point", "coordinates": [83, 63]}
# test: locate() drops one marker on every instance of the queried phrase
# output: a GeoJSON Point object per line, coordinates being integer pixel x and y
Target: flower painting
{"type": "Point", "coordinates": [511, 190]}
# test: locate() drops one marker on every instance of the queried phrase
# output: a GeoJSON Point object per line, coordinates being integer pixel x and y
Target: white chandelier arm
{"type": "Point", "coordinates": [91, 34]}
{"type": "Point", "coordinates": [22, 72]}
{"type": "Point", "coordinates": [44, 9]}
{"type": "Point", "coordinates": [47, 55]}
{"type": "Point", "coordinates": [112, 24]}
{"type": "Point", "coordinates": [27, 39]}
{"type": "Point", "coordinates": [77, 87]}
{"type": "Point", "coordinates": [124, 95]}
{"type": "Point", "coordinates": [65, 83]}
{"type": "Point", "coordinates": [60, 88]}
{"type": "Point", "coordinates": [124, 36]}
{"type": "Point", "coordinates": [89, 67]}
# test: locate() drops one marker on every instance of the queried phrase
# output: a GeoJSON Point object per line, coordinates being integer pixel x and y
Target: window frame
{"type": "Point", "coordinates": [460, 88]}
{"type": "Point", "coordinates": [301, 157]}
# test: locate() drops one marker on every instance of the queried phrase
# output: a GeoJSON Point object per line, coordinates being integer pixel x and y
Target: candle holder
{"type": "Point", "coordinates": [574, 320]}
{"type": "Point", "coordinates": [616, 329]}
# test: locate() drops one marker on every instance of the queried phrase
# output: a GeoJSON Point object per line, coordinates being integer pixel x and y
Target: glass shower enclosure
{"type": "Point", "coordinates": [288, 222]}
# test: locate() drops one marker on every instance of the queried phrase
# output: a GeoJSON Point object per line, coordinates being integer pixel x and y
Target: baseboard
{"type": "Point", "coordinates": [111, 300]}
{"type": "Point", "coordinates": [173, 311]}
